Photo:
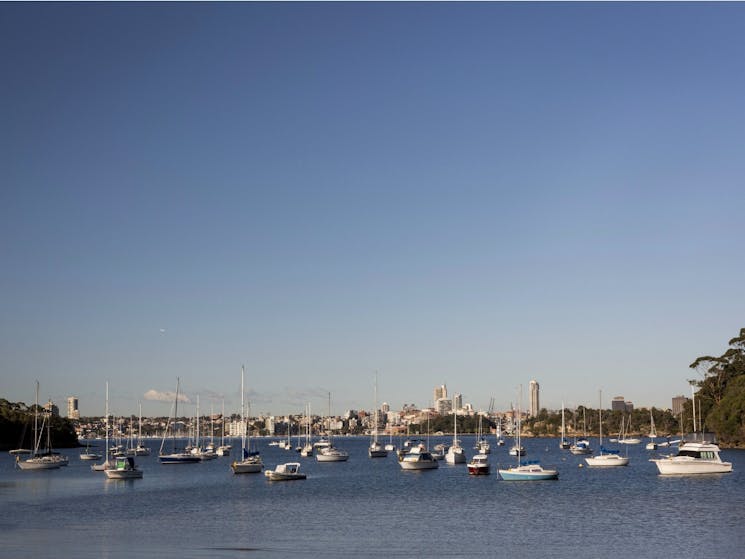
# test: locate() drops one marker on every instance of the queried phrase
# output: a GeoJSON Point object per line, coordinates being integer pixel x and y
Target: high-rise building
{"type": "Point", "coordinates": [72, 408]}
{"type": "Point", "coordinates": [52, 408]}
{"type": "Point", "coordinates": [678, 402]}
{"type": "Point", "coordinates": [385, 407]}
{"type": "Point", "coordinates": [618, 404]}
{"type": "Point", "coordinates": [441, 392]}
{"type": "Point", "coordinates": [457, 402]}
{"type": "Point", "coordinates": [535, 402]}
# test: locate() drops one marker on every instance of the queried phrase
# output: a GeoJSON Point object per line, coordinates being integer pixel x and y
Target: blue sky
{"type": "Point", "coordinates": [473, 194]}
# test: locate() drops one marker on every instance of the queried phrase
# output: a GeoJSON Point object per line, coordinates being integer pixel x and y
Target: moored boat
{"type": "Point", "coordinates": [124, 468]}
{"type": "Point", "coordinates": [479, 465]}
{"type": "Point", "coordinates": [285, 472]}
{"type": "Point", "coordinates": [418, 458]}
{"type": "Point", "coordinates": [693, 458]}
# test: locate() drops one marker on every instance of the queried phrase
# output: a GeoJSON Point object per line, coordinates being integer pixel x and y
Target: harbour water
{"type": "Point", "coordinates": [371, 508]}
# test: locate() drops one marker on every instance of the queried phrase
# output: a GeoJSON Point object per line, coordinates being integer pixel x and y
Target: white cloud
{"type": "Point", "coordinates": [158, 396]}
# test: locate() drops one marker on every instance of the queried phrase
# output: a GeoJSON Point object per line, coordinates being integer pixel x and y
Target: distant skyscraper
{"type": "Point", "coordinates": [72, 408]}
{"type": "Point", "coordinates": [441, 392]}
{"type": "Point", "coordinates": [678, 402]}
{"type": "Point", "coordinates": [535, 402]}
{"type": "Point", "coordinates": [52, 408]}
{"type": "Point", "coordinates": [385, 407]}
{"type": "Point", "coordinates": [457, 402]}
{"type": "Point", "coordinates": [618, 404]}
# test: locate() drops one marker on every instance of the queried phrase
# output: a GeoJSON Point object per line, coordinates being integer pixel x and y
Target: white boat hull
{"type": "Point", "coordinates": [455, 456]}
{"type": "Point", "coordinates": [332, 455]}
{"type": "Point", "coordinates": [691, 466]}
{"type": "Point", "coordinates": [529, 473]}
{"type": "Point", "coordinates": [607, 461]}
{"type": "Point", "coordinates": [42, 463]}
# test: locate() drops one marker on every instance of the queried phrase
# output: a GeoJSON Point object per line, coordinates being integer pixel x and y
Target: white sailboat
{"type": "Point", "coordinates": [482, 445]}
{"type": "Point", "coordinates": [563, 443]}
{"type": "Point", "coordinates": [455, 454]}
{"type": "Point", "coordinates": [39, 460]}
{"type": "Point", "coordinates": [652, 444]}
{"type": "Point", "coordinates": [223, 449]}
{"type": "Point", "coordinates": [105, 464]}
{"type": "Point", "coordinates": [250, 462]}
{"type": "Point", "coordinates": [581, 446]}
{"type": "Point", "coordinates": [176, 456]}
{"type": "Point", "coordinates": [526, 471]}
{"type": "Point", "coordinates": [307, 450]}
{"type": "Point", "coordinates": [376, 449]}
{"type": "Point", "coordinates": [328, 453]}
{"type": "Point", "coordinates": [606, 458]}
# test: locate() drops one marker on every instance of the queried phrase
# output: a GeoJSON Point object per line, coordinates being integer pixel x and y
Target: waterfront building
{"type": "Point", "coordinates": [72, 408]}
{"type": "Point", "coordinates": [443, 406]}
{"type": "Point", "coordinates": [535, 401]}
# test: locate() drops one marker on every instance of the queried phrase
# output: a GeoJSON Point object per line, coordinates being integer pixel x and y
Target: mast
{"type": "Point", "coordinates": [375, 428]}
{"type": "Point", "coordinates": [139, 427]}
{"type": "Point", "coordinates": [243, 420]}
{"type": "Point", "coordinates": [600, 416]}
{"type": "Point", "coordinates": [175, 414]}
{"type": "Point", "coordinates": [106, 423]}
{"type": "Point", "coordinates": [37, 438]}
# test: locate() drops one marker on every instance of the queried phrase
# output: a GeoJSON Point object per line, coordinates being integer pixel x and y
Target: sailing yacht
{"type": "Point", "coordinates": [581, 446]}
{"type": "Point", "coordinates": [40, 460]}
{"type": "Point", "coordinates": [250, 462]}
{"type": "Point", "coordinates": [606, 458]}
{"type": "Point", "coordinates": [307, 450]}
{"type": "Point", "coordinates": [652, 444]}
{"type": "Point", "coordinates": [526, 471]}
{"type": "Point", "coordinates": [105, 464]}
{"type": "Point", "coordinates": [455, 454]}
{"type": "Point", "coordinates": [482, 445]}
{"type": "Point", "coordinates": [564, 443]}
{"type": "Point", "coordinates": [176, 456]}
{"type": "Point", "coordinates": [327, 452]}
{"type": "Point", "coordinates": [376, 449]}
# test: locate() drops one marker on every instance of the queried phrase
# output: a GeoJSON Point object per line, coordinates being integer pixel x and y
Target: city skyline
{"type": "Point", "coordinates": [472, 194]}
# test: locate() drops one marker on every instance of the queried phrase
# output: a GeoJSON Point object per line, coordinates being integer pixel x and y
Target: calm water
{"type": "Point", "coordinates": [369, 508]}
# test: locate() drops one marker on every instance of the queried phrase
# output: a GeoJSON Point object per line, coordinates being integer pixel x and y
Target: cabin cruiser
{"type": "Point", "coordinates": [285, 472]}
{"type": "Point", "coordinates": [479, 465]}
{"type": "Point", "coordinates": [693, 458]}
{"type": "Point", "coordinates": [418, 458]}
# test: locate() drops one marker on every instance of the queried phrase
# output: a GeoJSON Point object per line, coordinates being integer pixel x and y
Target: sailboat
{"type": "Point", "coordinates": [416, 456]}
{"type": "Point", "coordinates": [39, 460]}
{"type": "Point", "coordinates": [455, 454]}
{"type": "Point", "coordinates": [250, 462]}
{"type": "Point", "coordinates": [482, 445]}
{"type": "Point", "coordinates": [307, 450]}
{"type": "Point", "coordinates": [376, 449]}
{"type": "Point", "coordinates": [141, 449]}
{"type": "Point", "coordinates": [581, 446]}
{"type": "Point", "coordinates": [652, 444]}
{"type": "Point", "coordinates": [105, 464]}
{"type": "Point", "coordinates": [526, 471]}
{"type": "Point", "coordinates": [516, 449]}
{"type": "Point", "coordinates": [564, 443]}
{"type": "Point", "coordinates": [176, 456]}
{"type": "Point", "coordinates": [328, 453]}
{"type": "Point", "coordinates": [625, 438]}
{"type": "Point", "coordinates": [500, 440]}
{"type": "Point", "coordinates": [606, 458]}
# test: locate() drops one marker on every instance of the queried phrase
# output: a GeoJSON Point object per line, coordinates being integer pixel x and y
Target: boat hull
{"type": "Point", "coordinates": [38, 464]}
{"type": "Point", "coordinates": [529, 474]}
{"type": "Point", "coordinates": [607, 461]}
{"type": "Point", "coordinates": [178, 458]}
{"type": "Point", "coordinates": [675, 466]}
{"type": "Point", "coordinates": [250, 467]}
{"type": "Point", "coordinates": [123, 474]}
{"type": "Point", "coordinates": [479, 470]}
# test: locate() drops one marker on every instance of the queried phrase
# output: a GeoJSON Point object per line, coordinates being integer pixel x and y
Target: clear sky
{"type": "Point", "coordinates": [474, 194]}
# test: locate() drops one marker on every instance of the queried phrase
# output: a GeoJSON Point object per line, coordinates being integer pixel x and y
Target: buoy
{"type": "Point", "coordinates": [581, 465]}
